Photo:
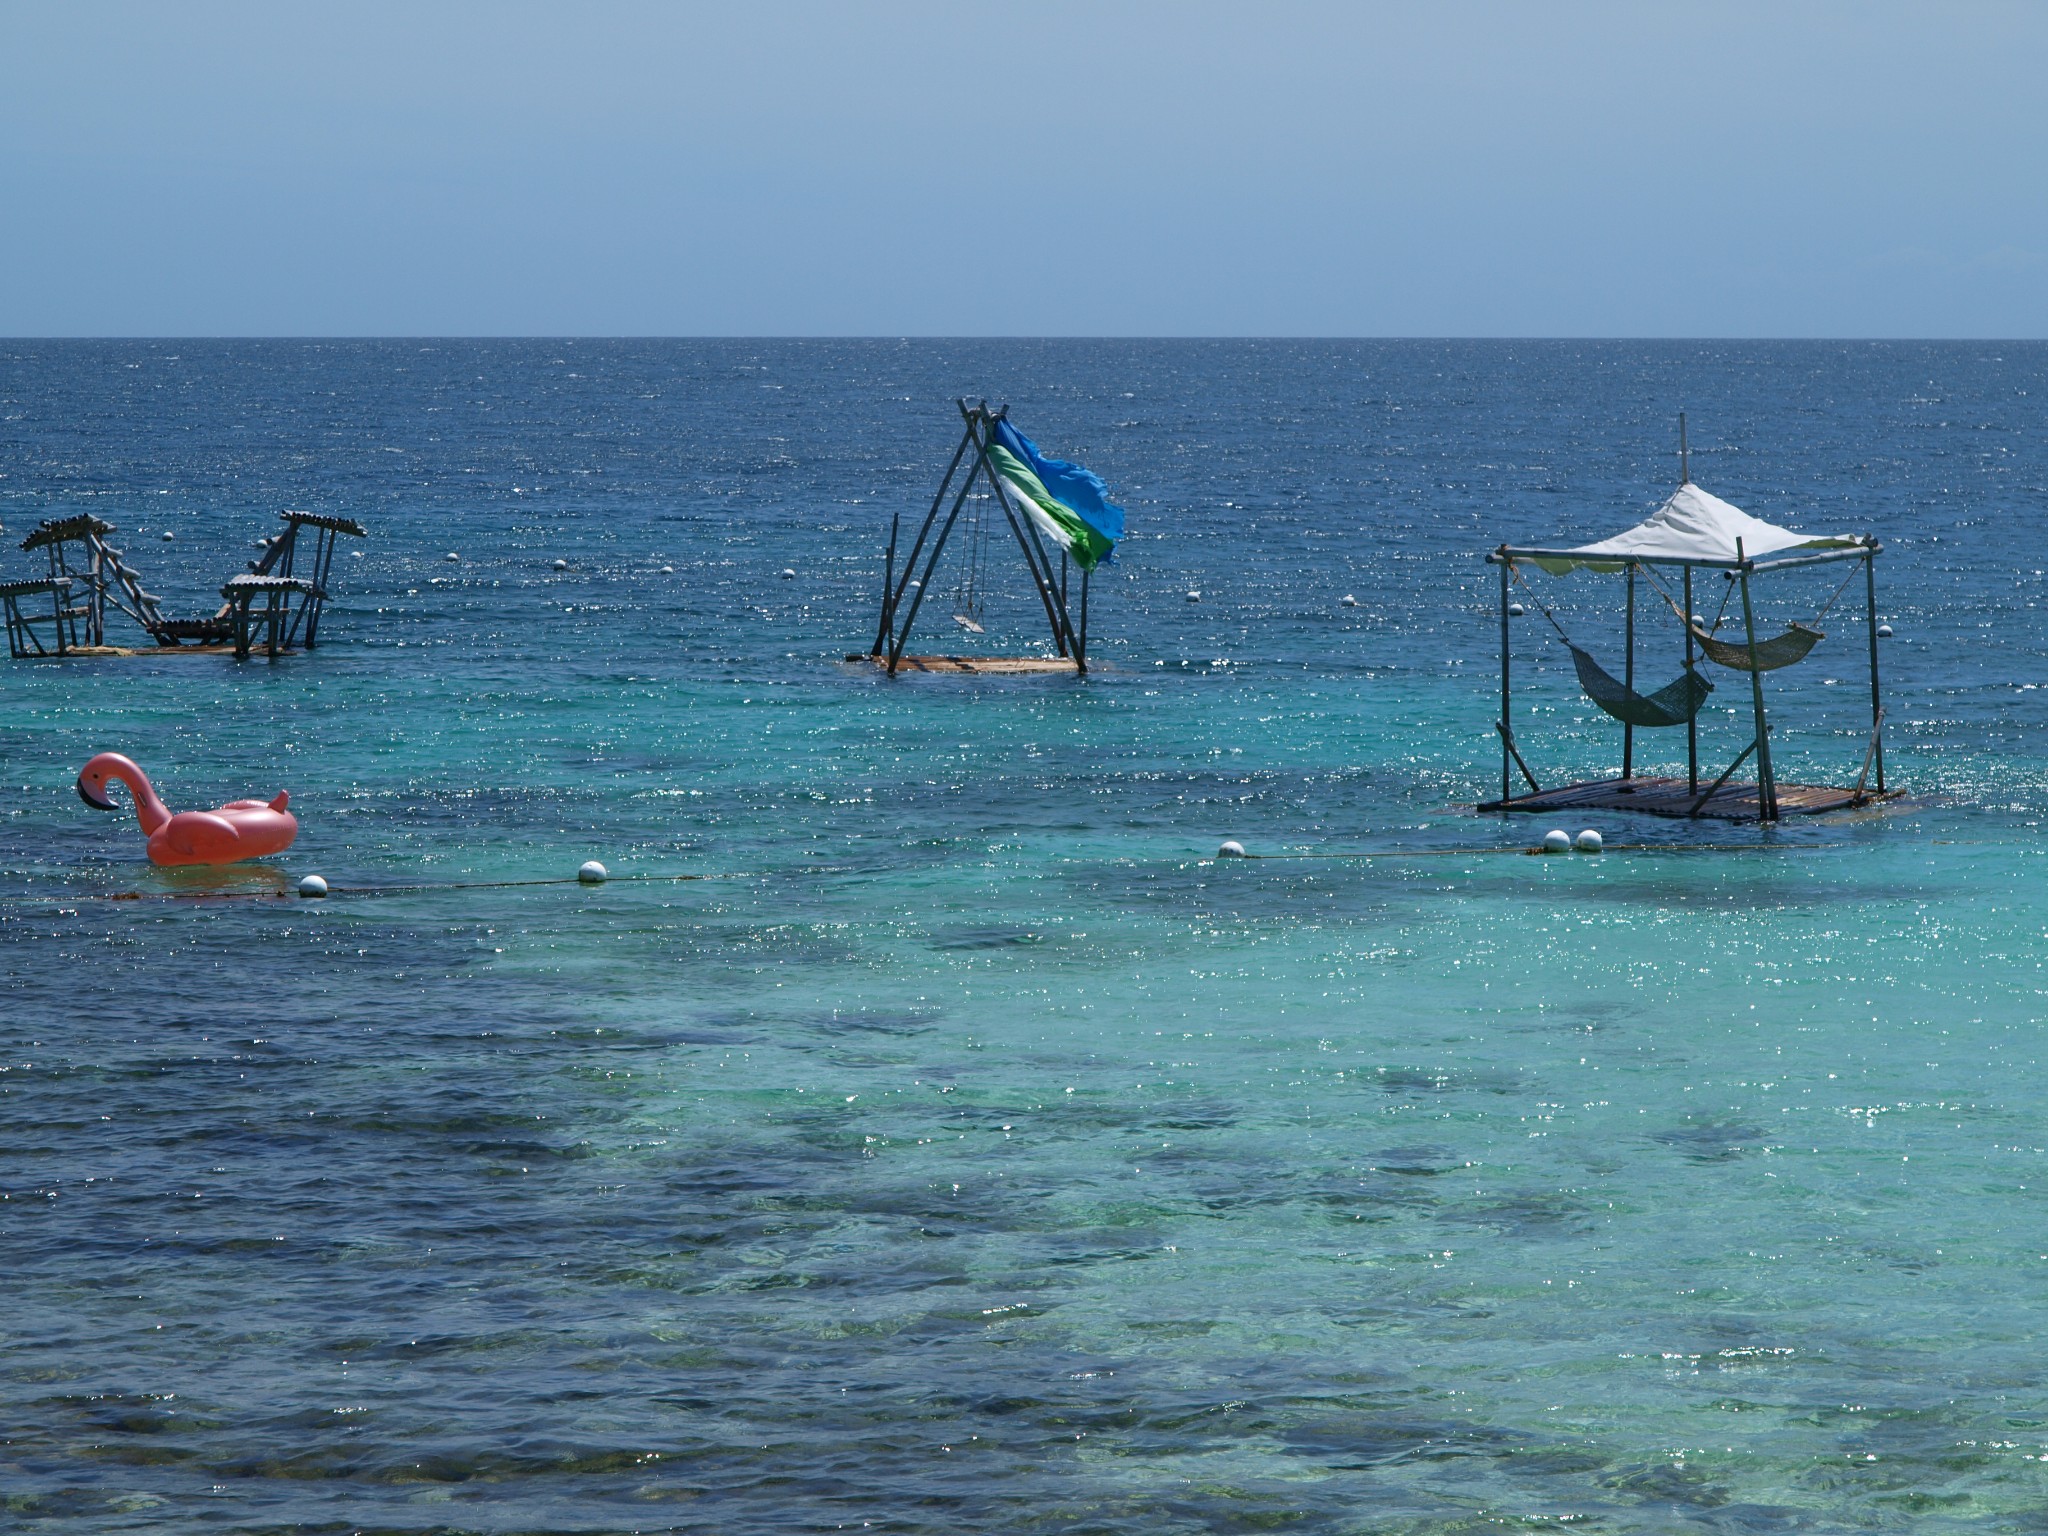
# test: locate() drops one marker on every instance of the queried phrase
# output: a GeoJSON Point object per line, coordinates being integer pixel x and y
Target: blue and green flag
{"type": "Point", "coordinates": [1069, 505]}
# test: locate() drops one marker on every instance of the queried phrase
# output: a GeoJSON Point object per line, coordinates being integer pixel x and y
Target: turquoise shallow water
{"type": "Point", "coordinates": [972, 1150]}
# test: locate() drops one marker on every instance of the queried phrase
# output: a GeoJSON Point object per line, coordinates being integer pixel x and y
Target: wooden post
{"type": "Point", "coordinates": [1035, 556]}
{"type": "Point", "coordinates": [1506, 719]}
{"type": "Point", "coordinates": [1692, 721]}
{"type": "Point", "coordinates": [1628, 679]}
{"type": "Point", "coordinates": [1040, 563]}
{"type": "Point", "coordinates": [324, 542]}
{"type": "Point", "coordinates": [1766, 780]}
{"type": "Point", "coordinates": [924, 586]}
{"type": "Point", "coordinates": [1876, 700]}
{"type": "Point", "coordinates": [892, 600]}
{"type": "Point", "coordinates": [888, 581]}
{"type": "Point", "coordinates": [1080, 651]}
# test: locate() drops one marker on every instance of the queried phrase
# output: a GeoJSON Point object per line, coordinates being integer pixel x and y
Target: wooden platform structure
{"type": "Point", "coordinates": [280, 598]}
{"type": "Point", "coordinates": [78, 552]}
{"type": "Point", "coordinates": [26, 619]}
{"type": "Point", "coordinates": [273, 606]}
{"type": "Point", "coordinates": [1691, 532]}
{"type": "Point", "coordinates": [992, 452]}
{"type": "Point", "coordinates": [996, 666]}
{"type": "Point", "coordinates": [1655, 796]}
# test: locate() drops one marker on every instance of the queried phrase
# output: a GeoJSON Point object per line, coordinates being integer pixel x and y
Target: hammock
{"type": "Point", "coordinates": [1778, 651]}
{"type": "Point", "coordinates": [1673, 704]}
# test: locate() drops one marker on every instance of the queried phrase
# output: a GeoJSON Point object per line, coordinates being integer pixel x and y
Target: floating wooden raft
{"type": "Point", "coordinates": [1669, 797]}
{"type": "Point", "coordinates": [1010, 666]}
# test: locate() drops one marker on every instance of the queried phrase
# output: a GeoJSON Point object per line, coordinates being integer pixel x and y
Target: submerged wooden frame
{"type": "Point", "coordinates": [1069, 640]}
{"type": "Point", "coordinates": [1662, 796]}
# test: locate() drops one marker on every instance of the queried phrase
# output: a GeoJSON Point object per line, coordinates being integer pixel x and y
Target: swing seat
{"type": "Point", "coordinates": [1673, 704]}
{"type": "Point", "coordinates": [1778, 651]}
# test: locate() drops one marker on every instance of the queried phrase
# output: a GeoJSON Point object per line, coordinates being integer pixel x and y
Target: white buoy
{"type": "Point", "coordinates": [1516, 610]}
{"type": "Point", "coordinates": [789, 573]}
{"type": "Point", "coordinates": [451, 555]}
{"type": "Point", "coordinates": [1589, 841]}
{"type": "Point", "coordinates": [668, 570]}
{"type": "Point", "coordinates": [168, 535]}
{"type": "Point", "coordinates": [312, 886]}
{"type": "Point", "coordinates": [1194, 597]}
{"type": "Point", "coordinates": [1884, 631]}
{"type": "Point", "coordinates": [1698, 622]}
{"type": "Point", "coordinates": [592, 873]}
{"type": "Point", "coordinates": [263, 543]}
{"type": "Point", "coordinates": [1557, 841]}
{"type": "Point", "coordinates": [561, 565]}
{"type": "Point", "coordinates": [1348, 600]}
{"type": "Point", "coordinates": [1231, 850]}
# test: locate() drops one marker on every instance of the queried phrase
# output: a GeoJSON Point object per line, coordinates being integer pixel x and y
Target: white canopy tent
{"type": "Point", "coordinates": [1693, 527]}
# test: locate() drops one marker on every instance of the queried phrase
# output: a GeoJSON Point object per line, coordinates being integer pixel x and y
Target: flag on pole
{"type": "Point", "coordinates": [1069, 505]}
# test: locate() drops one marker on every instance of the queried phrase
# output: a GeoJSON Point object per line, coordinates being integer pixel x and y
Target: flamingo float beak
{"type": "Point", "coordinates": [98, 802]}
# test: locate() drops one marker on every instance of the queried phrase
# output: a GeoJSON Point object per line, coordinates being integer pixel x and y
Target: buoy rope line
{"type": "Point", "coordinates": [286, 893]}
{"type": "Point", "coordinates": [1535, 851]}
{"type": "Point", "coordinates": [1466, 853]}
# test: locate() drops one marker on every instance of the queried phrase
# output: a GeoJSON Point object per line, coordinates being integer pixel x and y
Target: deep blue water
{"type": "Point", "coordinates": [972, 1151]}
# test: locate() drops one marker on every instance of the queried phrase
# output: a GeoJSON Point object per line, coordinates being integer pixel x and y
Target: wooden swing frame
{"type": "Point", "coordinates": [892, 630]}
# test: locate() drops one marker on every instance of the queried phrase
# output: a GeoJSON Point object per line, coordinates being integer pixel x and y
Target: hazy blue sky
{"type": "Point", "coordinates": [1097, 168]}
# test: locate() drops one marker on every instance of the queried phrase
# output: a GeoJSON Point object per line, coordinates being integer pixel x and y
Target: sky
{"type": "Point", "coordinates": [1114, 167]}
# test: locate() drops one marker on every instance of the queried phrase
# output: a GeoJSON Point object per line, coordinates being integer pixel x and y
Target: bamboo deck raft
{"type": "Point", "coordinates": [994, 666]}
{"type": "Point", "coordinates": [1653, 796]}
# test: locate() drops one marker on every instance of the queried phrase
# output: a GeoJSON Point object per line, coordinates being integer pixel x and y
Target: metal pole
{"type": "Point", "coordinates": [1876, 701]}
{"type": "Point", "coordinates": [1692, 721]}
{"type": "Point", "coordinates": [1766, 780]}
{"type": "Point", "coordinates": [1506, 722]}
{"type": "Point", "coordinates": [1628, 679]}
{"type": "Point", "coordinates": [1684, 460]}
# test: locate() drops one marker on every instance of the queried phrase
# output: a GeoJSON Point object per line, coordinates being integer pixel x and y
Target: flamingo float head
{"type": "Point", "coordinates": [108, 767]}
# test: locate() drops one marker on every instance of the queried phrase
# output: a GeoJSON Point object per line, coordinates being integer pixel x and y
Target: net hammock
{"type": "Point", "coordinates": [1673, 704]}
{"type": "Point", "coordinates": [1779, 651]}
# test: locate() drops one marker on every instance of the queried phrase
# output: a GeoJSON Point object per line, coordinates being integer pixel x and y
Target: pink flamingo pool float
{"type": "Point", "coordinates": [241, 829]}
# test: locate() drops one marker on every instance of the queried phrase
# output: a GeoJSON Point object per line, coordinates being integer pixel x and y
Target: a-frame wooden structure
{"type": "Point", "coordinates": [904, 590]}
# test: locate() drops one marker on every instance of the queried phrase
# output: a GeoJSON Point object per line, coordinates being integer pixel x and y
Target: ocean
{"type": "Point", "coordinates": [963, 1146]}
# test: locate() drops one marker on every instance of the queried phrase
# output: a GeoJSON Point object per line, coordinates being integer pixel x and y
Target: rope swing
{"type": "Point", "coordinates": [967, 594]}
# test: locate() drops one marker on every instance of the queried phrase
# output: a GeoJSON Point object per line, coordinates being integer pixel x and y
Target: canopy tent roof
{"type": "Point", "coordinates": [1693, 527]}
